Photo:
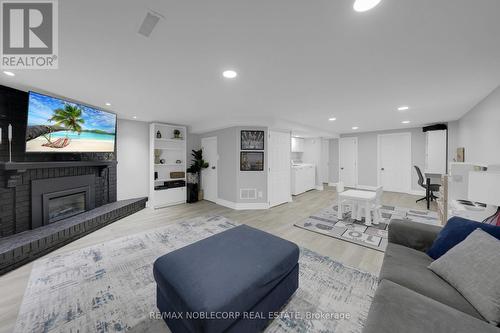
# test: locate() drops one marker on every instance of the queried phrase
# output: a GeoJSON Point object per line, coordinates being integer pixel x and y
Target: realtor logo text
{"type": "Point", "coordinates": [29, 34]}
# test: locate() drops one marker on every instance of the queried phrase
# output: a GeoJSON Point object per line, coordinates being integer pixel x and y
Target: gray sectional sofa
{"type": "Point", "coordinates": [410, 297]}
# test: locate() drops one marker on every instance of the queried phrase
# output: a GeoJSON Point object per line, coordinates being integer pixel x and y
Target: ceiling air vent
{"type": "Point", "coordinates": [150, 21]}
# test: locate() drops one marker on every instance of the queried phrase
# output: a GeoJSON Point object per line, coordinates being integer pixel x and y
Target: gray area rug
{"type": "Point", "coordinates": [110, 287]}
{"type": "Point", "coordinates": [375, 236]}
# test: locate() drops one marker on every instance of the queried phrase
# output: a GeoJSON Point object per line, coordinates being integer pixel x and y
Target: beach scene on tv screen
{"type": "Point", "coordinates": [55, 125]}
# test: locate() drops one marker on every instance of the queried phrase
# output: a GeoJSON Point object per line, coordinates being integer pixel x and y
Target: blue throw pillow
{"type": "Point", "coordinates": [455, 231]}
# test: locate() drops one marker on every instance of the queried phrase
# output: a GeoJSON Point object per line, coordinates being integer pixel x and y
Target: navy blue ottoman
{"type": "Point", "coordinates": [230, 282]}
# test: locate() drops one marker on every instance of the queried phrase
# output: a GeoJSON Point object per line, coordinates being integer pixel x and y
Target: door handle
{"type": "Point", "coordinates": [341, 168]}
{"type": "Point", "coordinates": [382, 169]}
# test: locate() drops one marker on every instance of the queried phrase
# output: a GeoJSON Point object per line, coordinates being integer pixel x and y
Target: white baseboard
{"type": "Point", "coordinates": [226, 203]}
{"type": "Point", "coordinates": [243, 205]}
{"type": "Point", "coordinates": [417, 192]}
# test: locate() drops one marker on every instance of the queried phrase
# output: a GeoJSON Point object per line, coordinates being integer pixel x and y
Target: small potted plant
{"type": "Point", "coordinates": [177, 134]}
{"type": "Point", "coordinates": [194, 172]}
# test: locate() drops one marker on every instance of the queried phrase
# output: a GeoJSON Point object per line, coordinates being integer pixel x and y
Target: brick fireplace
{"type": "Point", "coordinates": [50, 199]}
{"type": "Point", "coordinates": [29, 190]}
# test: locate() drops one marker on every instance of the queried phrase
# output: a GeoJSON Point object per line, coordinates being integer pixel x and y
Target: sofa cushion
{"type": "Point", "coordinates": [227, 272]}
{"type": "Point", "coordinates": [473, 268]}
{"type": "Point", "coordinates": [398, 309]}
{"type": "Point", "coordinates": [455, 231]}
{"type": "Point", "coordinates": [408, 267]}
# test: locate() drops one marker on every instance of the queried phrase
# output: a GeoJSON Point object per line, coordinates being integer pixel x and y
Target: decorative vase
{"type": "Point", "coordinates": [158, 135]}
{"type": "Point", "coordinates": [157, 156]}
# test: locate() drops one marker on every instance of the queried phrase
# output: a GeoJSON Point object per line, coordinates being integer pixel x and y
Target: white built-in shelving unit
{"type": "Point", "coordinates": [172, 154]}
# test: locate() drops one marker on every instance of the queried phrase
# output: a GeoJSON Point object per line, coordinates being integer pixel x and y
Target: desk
{"type": "Point", "coordinates": [360, 197]}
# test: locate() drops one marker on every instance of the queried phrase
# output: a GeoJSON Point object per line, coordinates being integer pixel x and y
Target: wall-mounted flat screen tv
{"type": "Point", "coordinates": [59, 126]}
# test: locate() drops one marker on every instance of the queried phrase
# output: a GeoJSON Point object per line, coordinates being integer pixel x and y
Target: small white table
{"type": "Point", "coordinates": [365, 198]}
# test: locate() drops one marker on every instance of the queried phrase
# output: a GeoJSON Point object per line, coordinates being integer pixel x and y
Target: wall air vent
{"type": "Point", "coordinates": [150, 21]}
{"type": "Point", "coordinates": [248, 193]}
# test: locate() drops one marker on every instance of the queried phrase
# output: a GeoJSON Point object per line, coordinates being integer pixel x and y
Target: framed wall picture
{"type": "Point", "coordinates": [251, 161]}
{"type": "Point", "coordinates": [252, 140]}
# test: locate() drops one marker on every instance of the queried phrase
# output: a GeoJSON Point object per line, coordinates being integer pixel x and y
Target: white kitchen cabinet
{"type": "Point", "coordinates": [303, 178]}
{"type": "Point", "coordinates": [297, 145]}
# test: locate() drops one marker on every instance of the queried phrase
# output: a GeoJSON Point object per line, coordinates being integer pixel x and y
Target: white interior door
{"type": "Point", "coordinates": [209, 175]}
{"type": "Point", "coordinates": [279, 184]}
{"type": "Point", "coordinates": [324, 158]}
{"type": "Point", "coordinates": [394, 162]}
{"type": "Point", "coordinates": [348, 159]}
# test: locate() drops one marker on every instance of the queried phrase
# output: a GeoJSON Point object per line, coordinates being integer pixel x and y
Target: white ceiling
{"type": "Point", "coordinates": [298, 61]}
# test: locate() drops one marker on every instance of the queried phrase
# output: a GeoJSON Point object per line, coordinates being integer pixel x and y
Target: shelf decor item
{"type": "Point", "coordinates": [177, 134]}
{"type": "Point", "coordinates": [252, 140]}
{"type": "Point", "coordinates": [177, 174]}
{"type": "Point", "coordinates": [158, 134]}
{"type": "Point", "coordinates": [162, 161]}
{"type": "Point", "coordinates": [251, 161]}
{"type": "Point", "coordinates": [461, 154]}
{"type": "Point", "coordinates": [157, 156]}
{"type": "Point", "coordinates": [178, 161]}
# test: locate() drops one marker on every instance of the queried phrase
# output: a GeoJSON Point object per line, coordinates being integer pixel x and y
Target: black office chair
{"type": "Point", "coordinates": [429, 188]}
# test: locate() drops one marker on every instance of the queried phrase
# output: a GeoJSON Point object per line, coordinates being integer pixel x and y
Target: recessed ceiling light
{"type": "Point", "coordinates": [405, 122]}
{"type": "Point", "coordinates": [108, 104]}
{"type": "Point", "coordinates": [229, 74]}
{"type": "Point", "coordinates": [364, 5]}
{"type": "Point", "coordinates": [403, 108]}
{"type": "Point", "coordinates": [332, 119]}
{"type": "Point", "coordinates": [9, 73]}
{"type": "Point", "coordinates": [355, 127]}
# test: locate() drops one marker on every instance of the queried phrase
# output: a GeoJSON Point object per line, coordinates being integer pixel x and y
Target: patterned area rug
{"type": "Point", "coordinates": [110, 287]}
{"type": "Point", "coordinates": [375, 236]}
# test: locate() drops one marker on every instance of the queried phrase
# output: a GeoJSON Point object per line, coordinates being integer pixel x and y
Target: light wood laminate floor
{"type": "Point", "coordinates": [278, 220]}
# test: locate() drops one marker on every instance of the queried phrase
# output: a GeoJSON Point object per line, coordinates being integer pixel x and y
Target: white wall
{"type": "Point", "coordinates": [367, 155]}
{"type": "Point", "coordinates": [452, 140]}
{"type": "Point", "coordinates": [479, 131]}
{"type": "Point", "coordinates": [132, 147]}
{"type": "Point", "coordinates": [229, 177]}
{"type": "Point", "coordinates": [193, 143]}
